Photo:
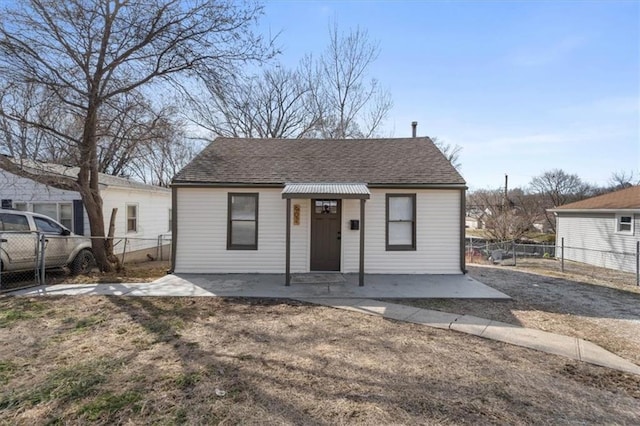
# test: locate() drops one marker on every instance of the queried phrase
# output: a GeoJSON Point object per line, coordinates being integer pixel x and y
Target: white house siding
{"type": "Point", "coordinates": [437, 235]}
{"type": "Point", "coordinates": [23, 190]}
{"type": "Point", "coordinates": [202, 234]}
{"type": "Point", "coordinates": [153, 217]}
{"type": "Point", "coordinates": [591, 238]}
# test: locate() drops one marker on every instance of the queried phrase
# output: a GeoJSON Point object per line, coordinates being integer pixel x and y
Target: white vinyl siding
{"type": "Point", "coordinates": [202, 234]}
{"type": "Point", "coordinates": [151, 216]}
{"type": "Point", "coordinates": [437, 235]}
{"type": "Point", "coordinates": [592, 238]}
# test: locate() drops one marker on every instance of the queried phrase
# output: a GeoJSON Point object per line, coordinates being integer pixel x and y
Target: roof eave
{"type": "Point", "coordinates": [607, 210]}
{"type": "Point", "coordinates": [202, 184]}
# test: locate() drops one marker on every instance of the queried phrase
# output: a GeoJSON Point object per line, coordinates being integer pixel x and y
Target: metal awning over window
{"type": "Point", "coordinates": [326, 190]}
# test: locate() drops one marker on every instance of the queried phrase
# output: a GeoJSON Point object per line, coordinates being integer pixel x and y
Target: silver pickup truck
{"type": "Point", "coordinates": [19, 243]}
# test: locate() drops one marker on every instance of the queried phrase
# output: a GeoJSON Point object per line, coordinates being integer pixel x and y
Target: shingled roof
{"type": "Point", "coordinates": [623, 199]}
{"type": "Point", "coordinates": [277, 161]}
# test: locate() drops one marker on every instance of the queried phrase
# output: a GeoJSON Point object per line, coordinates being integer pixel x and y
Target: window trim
{"type": "Point", "coordinates": [29, 206]}
{"type": "Point", "coordinates": [231, 246]}
{"type": "Point", "coordinates": [619, 217]}
{"type": "Point", "coordinates": [400, 247]}
{"type": "Point", "coordinates": [137, 217]}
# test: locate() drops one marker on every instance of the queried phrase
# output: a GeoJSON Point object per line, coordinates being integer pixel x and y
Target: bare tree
{"type": "Point", "coordinates": [504, 219]}
{"type": "Point", "coordinates": [87, 54]}
{"type": "Point", "coordinates": [269, 105]}
{"type": "Point", "coordinates": [346, 103]}
{"type": "Point", "coordinates": [622, 179]}
{"type": "Point", "coordinates": [555, 188]}
{"type": "Point", "coordinates": [451, 152]}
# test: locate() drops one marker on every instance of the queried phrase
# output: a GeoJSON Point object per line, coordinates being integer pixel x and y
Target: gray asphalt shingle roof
{"type": "Point", "coordinates": [277, 161]}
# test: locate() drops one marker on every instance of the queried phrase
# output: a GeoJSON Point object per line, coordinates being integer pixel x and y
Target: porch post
{"type": "Point", "coordinates": [361, 274]}
{"type": "Point", "coordinates": [287, 280]}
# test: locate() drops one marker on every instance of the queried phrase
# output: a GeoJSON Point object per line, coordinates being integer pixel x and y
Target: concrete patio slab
{"type": "Point", "coordinates": [272, 286]}
{"type": "Point", "coordinates": [376, 286]}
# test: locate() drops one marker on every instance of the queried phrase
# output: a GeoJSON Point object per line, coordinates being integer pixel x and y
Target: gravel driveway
{"type": "Point", "coordinates": [599, 310]}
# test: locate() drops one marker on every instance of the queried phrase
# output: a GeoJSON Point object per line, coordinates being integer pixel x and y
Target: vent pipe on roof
{"type": "Point", "coordinates": [414, 128]}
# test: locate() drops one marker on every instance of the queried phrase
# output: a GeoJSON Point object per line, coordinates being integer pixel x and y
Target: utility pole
{"type": "Point", "coordinates": [506, 189]}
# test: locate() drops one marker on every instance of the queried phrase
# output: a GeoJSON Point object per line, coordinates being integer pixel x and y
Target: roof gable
{"type": "Point", "coordinates": [628, 198]}
{"type": "Point", "coordinates": [278, 161]}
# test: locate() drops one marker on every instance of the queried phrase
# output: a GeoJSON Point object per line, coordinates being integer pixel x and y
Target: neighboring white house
{"type": "Point", "coordinates": [301, 205]}
{"type": "Point", "coordinates": [601, 231]}
{"type": "Point", "coordinates": [144, 211]}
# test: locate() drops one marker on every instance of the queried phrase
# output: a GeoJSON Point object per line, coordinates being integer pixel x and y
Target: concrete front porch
{"type": "Point", "coordinates": [328, 285]}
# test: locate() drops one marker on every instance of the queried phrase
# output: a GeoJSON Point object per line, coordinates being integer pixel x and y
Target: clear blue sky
{"type": "Point", "coordinates": [522, 86]}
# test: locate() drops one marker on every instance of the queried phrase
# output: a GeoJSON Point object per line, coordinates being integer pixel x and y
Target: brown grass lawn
{"type": "Point", "coordinates": [135, 360]}
{"type": "Point", "coordinates": [601, 305]}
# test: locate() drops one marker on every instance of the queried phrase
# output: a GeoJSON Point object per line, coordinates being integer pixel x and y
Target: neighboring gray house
{"type": "Point", "coordinates": [301, 205]}
{"type": "Point", "coordinates": [601, 231]}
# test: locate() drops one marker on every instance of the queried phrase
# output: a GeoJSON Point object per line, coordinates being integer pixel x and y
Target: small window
{"type": "Point", "coordinates": [401, 222]}
{"type": "Point", "coordinates": [326, 207]}
{"type": "Point", "coordinates": [47, 209]}
{"type": "Point", "coordinates": [47, 226]}
{"type": "Point", "coordinates": [624, 224]}
{"type": "Point", "coordinates": [66, 215]}
{"type": "Point", "coordinates": [14, 222]}
{"type": "Point", "coordinates": [242, 227]}
{"type": "Point", "coordinates": [132, 218]}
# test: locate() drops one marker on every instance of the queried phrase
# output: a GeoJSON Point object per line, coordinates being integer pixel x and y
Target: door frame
{"type": "Point", "coordinates": [312, 213]}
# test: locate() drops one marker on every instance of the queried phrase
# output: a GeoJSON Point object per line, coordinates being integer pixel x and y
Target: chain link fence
{"type": "Point", "coordinates": [555, 257]}
{"type": "Point", "coordinates": [34, 258]}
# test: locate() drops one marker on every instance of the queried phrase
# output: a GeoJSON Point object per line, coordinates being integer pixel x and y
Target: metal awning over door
{"type": "Point", "coordinates": [326, 190]}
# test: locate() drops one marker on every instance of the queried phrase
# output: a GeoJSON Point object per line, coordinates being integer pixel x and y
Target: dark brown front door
{"type": "Point", "coordinates": [325, 235]}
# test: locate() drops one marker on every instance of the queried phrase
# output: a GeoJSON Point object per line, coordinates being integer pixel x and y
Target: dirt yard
{"type": "Point", "coordinates": [139, 272]}
{"type": "Point", "coordinates": [595, 304]}
{"type": "Point", "coordinates": [110, 360]}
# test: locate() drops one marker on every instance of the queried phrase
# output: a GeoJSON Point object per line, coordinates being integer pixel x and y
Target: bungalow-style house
{"type": "Point", "coordinates": [144, 211]}
{"type": "Point", "coordinates": [601, 231]}
{"type": "Point", "coordinates": [305, 205]}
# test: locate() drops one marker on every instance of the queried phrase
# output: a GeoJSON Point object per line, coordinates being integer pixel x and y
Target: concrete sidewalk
{"type": "Point", "coordinates": [344, 295]}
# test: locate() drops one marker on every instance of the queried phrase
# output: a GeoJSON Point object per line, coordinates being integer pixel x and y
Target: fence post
{"type": "Point", "coordinates": [562, 254]}
{"type": "Point", "coordinates": [42, 241]}
{"type": "Point", "coordinates": [513, 248]}
{"type": "Point", "coordinates": [638, 263]}
{"type": "Point", "coordinates": [1, 239]}
{"type": "Point", "coordinates": [124, 250]}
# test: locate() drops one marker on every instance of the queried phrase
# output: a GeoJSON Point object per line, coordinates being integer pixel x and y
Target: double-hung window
{"type": "Point", "coordinates": [624, 224]}
{"type": "Point", "coordinates": [401, 222]}
{"type": "Point", "coordinates": [132, 218]}
{"type": "Point", "coordinates": [242, 226]}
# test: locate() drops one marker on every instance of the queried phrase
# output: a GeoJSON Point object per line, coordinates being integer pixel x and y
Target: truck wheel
{"type": "Point", "coordinates": [83, 262]}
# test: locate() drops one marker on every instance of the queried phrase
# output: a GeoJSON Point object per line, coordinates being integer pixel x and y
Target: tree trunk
{"type": "Point", "coordinates": [90, 186]}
